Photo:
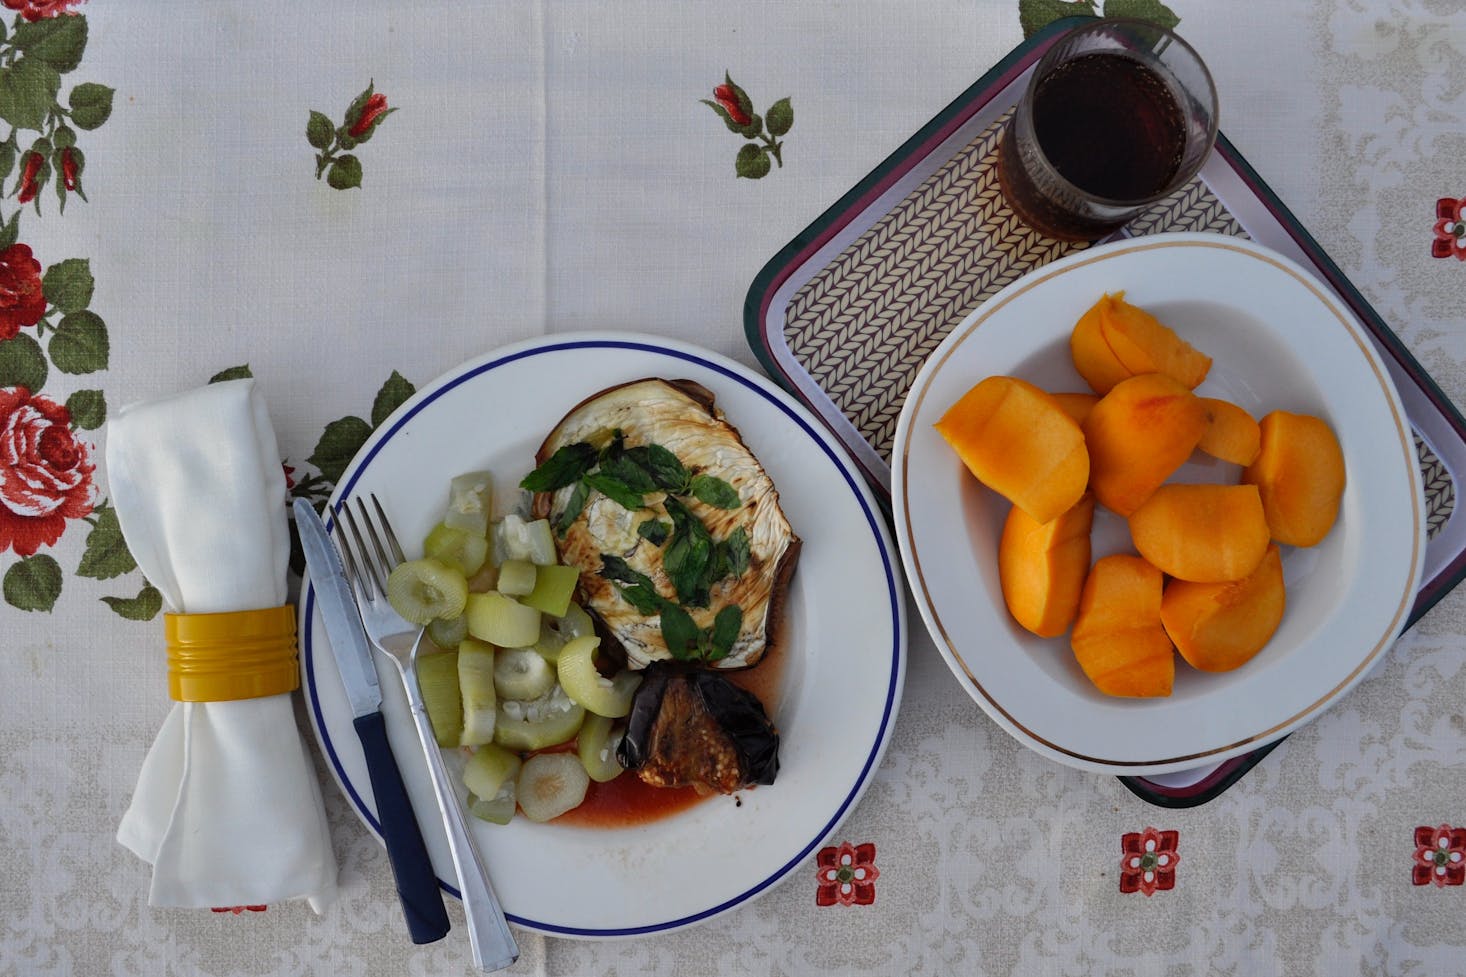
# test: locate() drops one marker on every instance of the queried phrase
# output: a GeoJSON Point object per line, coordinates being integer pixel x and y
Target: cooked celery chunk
{"type": "Point", "coordinates": [456, 548]}
{"type": "Point", "coordinates": [499, 810]}
{"type": "Point", "coordinates": [489, 769]}
{"type": "Point", "coordinates": [520, 673]}
{"type": "Point", "coordinates": [553, 588]}
{"type": "Point", "coordinates": [584, 683]}
{"type": "Point", "coordinates": [551, 784]}
{"type": "Point", "coordinates": [437, 677]}
{"type": "Point", "coordinates": [470, 500]}
{"type": "Point", "coordinates": [595, 744]}
{"type": "Point", "coordinates": [476, 685]}
{"type": "Point", "coordinates": [421, 590]}
{"type": "Point", "coordinates": [552, 718]}
{"type": "Point", "coordinates": [515, 539]}
{"type": "Point", "coordinates": [517, 577]}
{"type": "Point", "coordinates": [501, 620]}
{"type": "Point", "coordinates": [447, 634]}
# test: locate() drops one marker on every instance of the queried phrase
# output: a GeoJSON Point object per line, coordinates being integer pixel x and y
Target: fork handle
{"type": "Point", "coordinates": [493, 946]}
{"type": "Point", "coordinates": [417, 884]}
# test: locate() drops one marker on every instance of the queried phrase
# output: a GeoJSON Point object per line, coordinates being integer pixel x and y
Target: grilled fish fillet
{"type": "Point", "coordinates": [680, 416]}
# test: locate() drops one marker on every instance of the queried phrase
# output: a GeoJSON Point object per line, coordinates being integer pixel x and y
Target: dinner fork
{"type": "Point", "coordinates": [367, 568]}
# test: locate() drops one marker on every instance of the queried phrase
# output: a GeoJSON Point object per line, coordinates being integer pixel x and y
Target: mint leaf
{"type": "Point", "coordinates": [724, 632]}
{"type": "Point", "coordinates": [662, 465]}
{"type": "Point", "coordinates": [33, 583]}
{"type": "Point", "coordinates": [615, 490]}
{"type": "Point", "coordinates": [106, 554]}
{"type": "Point", "coordinates": [573, 507]}
{"type": "Point", "coordinates": [88, 409]}
{"type": "Point", "coordinates": [22, 363]}
{"type": "Point", "coordinates": [680, 632]}
{"type": "Point", "coordinates": [392, 395]}
{"type": "Point", "coordinates": [654, 531]}
{"type": "Point", "coordinates": [80, 343]}
{"type": "Point", "coordinates": [615, 568]}
{"type": "Point", "coordinates": [688, 557]}
{"type": "Point", "coordinates": [566, 465]}
{"type": "Point", "coordinates": [240, 372]}
{"type": "Point", "coordinates": [339, 443]}
{"type": "Point", "coordinates": [144, 607]}
{"type": "Point", "coordinates": [68, 284]}
{"type": "Point", "coordinates": [91, 105]}
{"type": "Point", "coordinates": [734, 551]}
{"type": "Point", "coordinates": [714, 491]}
{"type": "Point", "coordinates": [628, 472]}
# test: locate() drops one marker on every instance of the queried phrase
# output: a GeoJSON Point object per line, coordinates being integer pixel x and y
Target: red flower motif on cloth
{"type": "Point", "coordinates": [1440, 856]}
{"type": "Point", "coordinates": [45, 473]}
{"type": "Point", "coordinates": [22, 302]}
{"type": "Point", "coordinates": [236, 910]}
{"type": "Point", "coordinates": [34, 10]}
{"type": "Point", "coordinates": [847, 875]}
{"type": "Point", "coordinates": [725, 96]}
{"type": "Point", "coordinates": [1450, 229]}
{"type": "Point", "coordinates": [1149, 862]}
{"type": "Point", "coordinates": [29, 185]}
{"type": "Point", "coordinates": [374, 109]}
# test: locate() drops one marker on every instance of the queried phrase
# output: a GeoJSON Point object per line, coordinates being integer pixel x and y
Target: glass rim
{"type": "Point", "coordinates": [1025, 107]}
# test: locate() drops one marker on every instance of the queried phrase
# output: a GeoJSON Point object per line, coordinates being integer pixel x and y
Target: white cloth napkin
{"type": "Point", "coordinates": [227, 806]}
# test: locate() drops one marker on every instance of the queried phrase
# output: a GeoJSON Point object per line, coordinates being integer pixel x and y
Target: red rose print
{"type": "Point", "coordinates": [34, 10]}
{"type": "Point", "coordinates": [726, 97]}
{"type": "Point", "coordinates": [1149, 862]}
{"type": "Point", "coordinates": [1440, 856]}
{"type": "Point", "coordinates": [373, 110]}
{"type": "Point", "coordinates": [21, 301]}
{"type": "Point", "coordinates": [846, 875]}
{"type": "Point", "coordinates": [28, 185]}
{"type": "Point", "coordinates": [68, 168]}
{"type": "Point", "coordinates": [289, 476]}
{"type": "Point", "coordinates": [45, 473]}
{"type": "Point", "coordinates": [236, 910]}
{"type": "Point", "coordinates": [1450, 229]}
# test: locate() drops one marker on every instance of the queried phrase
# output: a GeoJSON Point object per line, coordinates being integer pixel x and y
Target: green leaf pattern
{"type": "Point", "coordinates": [764, 148]}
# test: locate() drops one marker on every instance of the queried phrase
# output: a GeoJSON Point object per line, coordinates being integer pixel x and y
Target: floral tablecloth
{"type": "Point", "coordinates": [345, 200]}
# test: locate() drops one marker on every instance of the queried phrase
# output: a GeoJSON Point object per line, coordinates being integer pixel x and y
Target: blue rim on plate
{"type": "Point", "coordinates": [794, 413]}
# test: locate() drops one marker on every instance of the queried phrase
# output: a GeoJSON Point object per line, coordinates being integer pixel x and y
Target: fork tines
{"type": "Point", "coordinates": [375, 559]}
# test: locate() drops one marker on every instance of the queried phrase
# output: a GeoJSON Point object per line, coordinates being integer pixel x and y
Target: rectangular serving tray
{"type": "Point", "coordinates": [846, 313]}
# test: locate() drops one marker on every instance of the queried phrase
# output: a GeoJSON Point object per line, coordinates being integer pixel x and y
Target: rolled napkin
{"type": "Point", "coordinates": [227, 807]}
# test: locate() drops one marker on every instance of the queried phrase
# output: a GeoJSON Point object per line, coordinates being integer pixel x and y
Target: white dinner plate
{"type": "Point", "coordinates": [839, 688]}
{"type": "Point", "coordinates": [1279, 341]}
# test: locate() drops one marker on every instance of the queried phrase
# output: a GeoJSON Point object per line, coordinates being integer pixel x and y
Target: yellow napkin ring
{"type": "Point", "coordinates": [237, 655]}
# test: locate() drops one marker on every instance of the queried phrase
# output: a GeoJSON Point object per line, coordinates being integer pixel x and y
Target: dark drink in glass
{"type": "Point", "coordinates": [1118, 115]}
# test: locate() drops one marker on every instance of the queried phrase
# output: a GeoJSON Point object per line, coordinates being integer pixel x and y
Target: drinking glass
{"type": "Point", "coordinates": [1117, 115]}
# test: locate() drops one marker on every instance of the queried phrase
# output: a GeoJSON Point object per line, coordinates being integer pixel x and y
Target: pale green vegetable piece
{"type": "Point", "coordinates": [584, 684]}
{"type": "Point", "coordinates": [447, 634]}
{"type": "Point", "coordinates": [501, 620]}
{"type": "Point", "coordinates": [551, 784]}
{"type": "Point", "coordinates": [515, 539]}
{"type": "Point", "coordinates": [551, 719]}
{"type": "Point", "coordinates": [595, 744]}
{"type": "Point", "coordinates": [489, 769]}
{"type": "Point", "coordinates": [499, 810]}
{"type": "Point", "coordinates": [517, 577]}
{"type": "Point", "coordinates": [520, 673]}
{"type": "Point", "coordinates": [555, 631]}
{"type": "Point", "coordinates": [456, 548]}
{"type": "Point", "coordinates": [476, 685]}
{"type": "Point", "coordinates": [470, 500]}
{"type": "Point", "coordinates": [553, 588]}
{"type": "Point", "coordinates": [437, 677]}
{"type": "Point", "coordinates": [421, 590]}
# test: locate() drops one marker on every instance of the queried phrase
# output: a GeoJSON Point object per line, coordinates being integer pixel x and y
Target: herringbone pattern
{"type": "Point", "coordinates": [1440, 489]}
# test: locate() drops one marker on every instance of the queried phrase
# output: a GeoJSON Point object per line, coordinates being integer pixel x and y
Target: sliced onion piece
{"type": "Point", "coordinates": [551, 784]}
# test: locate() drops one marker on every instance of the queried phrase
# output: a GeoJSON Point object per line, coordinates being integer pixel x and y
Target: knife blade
{"type": "Point", "coordinates": [417, 884]}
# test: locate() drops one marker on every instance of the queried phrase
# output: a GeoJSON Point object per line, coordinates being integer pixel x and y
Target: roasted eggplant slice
{"type": "Point", "coordinates": [693, 727]}
{"type": "Point", "coordinates": [623, 519]}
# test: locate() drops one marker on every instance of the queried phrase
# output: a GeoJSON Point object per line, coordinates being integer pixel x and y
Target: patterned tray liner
{"type": "Point", "coordinates": [863, 325]}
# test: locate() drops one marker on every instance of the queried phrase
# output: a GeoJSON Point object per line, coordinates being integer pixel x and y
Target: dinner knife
{"type": "Point", "coordinates": [417, 884]}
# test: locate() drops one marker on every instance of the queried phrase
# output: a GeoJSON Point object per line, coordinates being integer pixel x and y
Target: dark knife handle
{"type": "Point", "coordinates": [417, 884]}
